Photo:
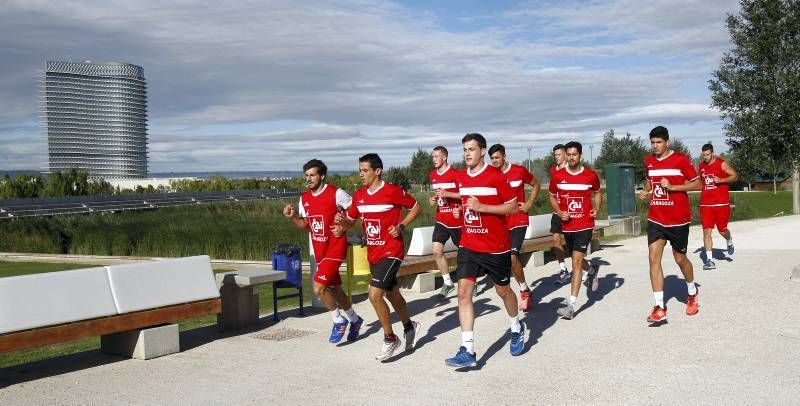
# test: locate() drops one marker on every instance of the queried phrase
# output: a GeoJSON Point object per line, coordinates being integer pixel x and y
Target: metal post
{"type": "Point", "coordinates": [796, 191]}
{"type": "Point", "coordinates": [530, 164]}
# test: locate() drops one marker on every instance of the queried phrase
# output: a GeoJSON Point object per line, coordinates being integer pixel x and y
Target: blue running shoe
{"type": "Point", "coordinates": [462, 359]}
{"type": "Point", "coordinates": [730, 248]}
{"type": "Point", "coordinates": [355, 327]}
{"type": "Point", "coordinates": [518, 340]}
{"type": "Point", "coordinates": [337, 332]}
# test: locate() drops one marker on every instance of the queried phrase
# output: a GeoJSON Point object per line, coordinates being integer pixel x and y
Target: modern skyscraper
{"type": "Point", "coordinates": [96, 118]}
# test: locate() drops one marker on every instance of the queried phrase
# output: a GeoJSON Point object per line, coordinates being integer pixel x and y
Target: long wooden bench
{"type": "Point", "coordinates": [50, 308]}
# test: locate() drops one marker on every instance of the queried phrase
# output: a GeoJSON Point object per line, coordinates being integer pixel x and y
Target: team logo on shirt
{"type": "Point", "coordinates": [708, 181]}
{"type": "Point", "coordinates": [372, 228]}
{"type": "Point", "coordinates": [660, 192]}
{"type": "Point", "coordinates": [575, 206]}
{"type": "Point", "coordinates": [317, 227]}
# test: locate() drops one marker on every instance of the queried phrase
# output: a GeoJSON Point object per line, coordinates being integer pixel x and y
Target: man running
{"type": "Point", "coordinates": [379, 205]}
{"type": "Point", "coordinates": [575, 197]}
{"type": "Point", "coordinates": [317, 208]}
{"type": "Point", "coordinates": [448, 226]}
{"type": "Point", "coordinates": [669, 176]}
{"type": "Point", "coordinates": [560, 155]}
{"type": "Point", "coordinates": [715, 200]}
{"type": "Point", "coordinates": [518, 176]}
{"type": "Point", "coordinates": [486, 199]}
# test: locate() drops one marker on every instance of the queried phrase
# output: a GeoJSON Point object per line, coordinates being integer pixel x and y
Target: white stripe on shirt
{"type": "Point", "coordinates": [373, 208]}
{"type": "Point", "coordinates": [450, 185]}
{"type": "Point", "coordinates": [478, 191]}
{"type": "Point", "coordinates": [515, 183]}
{"type": "Point", "coordinates": [573, 186]}
{"type": "Point", "coordinates": [664, 172]}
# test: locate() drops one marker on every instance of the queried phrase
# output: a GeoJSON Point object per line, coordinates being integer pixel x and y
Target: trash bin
{"type": "Point", "coordinates": [286, 258]}
{"type": "Point", "coordinates": [357, 264]}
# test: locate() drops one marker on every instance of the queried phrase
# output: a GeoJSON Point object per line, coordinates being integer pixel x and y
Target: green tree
{"type": "Point", "coordinates": [622, 150]}
{"type": "Point", "coordinates": [757, 85]}
{"type": "Point", "coordinates": [421, 165]}
{"type": "Point", "coordinates": [6, 188]}
{"type": "Point", "coordinates": [398, 176]}
{"type": "Point", "coordinates": [677, 145]}
{"type": "Point", "coordinates": [26, 186]}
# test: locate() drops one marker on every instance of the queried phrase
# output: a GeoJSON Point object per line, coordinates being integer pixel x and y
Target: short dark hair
{"type": "Point", "coordinates": [373, 159]}
{"type": "Point", "coordinates": [475, 137]}
{"type": "Point", "coordinates": [440, 148]}
{"type": "Point", "coordinates": [497, 147]}
{"type": "Point", "coordinates": [574, 144]}
{"type": "Point", "coordinates": [660, 132]}
{"type": "Point", "coordinates": [559, 146]}
{"type": "Point", "coordinates": [322, 170]}
{"type": "Point", "coordinates": [708, 147]}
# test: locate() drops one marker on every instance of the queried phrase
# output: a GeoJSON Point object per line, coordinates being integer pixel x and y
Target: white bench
{"type": "Point", "coordinates": [114, 302]}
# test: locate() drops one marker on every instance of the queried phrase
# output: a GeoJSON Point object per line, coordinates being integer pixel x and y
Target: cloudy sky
{"type": "Point", "coordinates": [267, 85]}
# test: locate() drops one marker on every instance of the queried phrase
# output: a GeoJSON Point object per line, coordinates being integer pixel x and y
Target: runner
{"type": "Point", "coordinates": [518, 176]}
{"type": "Point", "coordinates": [379, 205]}
{"type": "Point", "coordinates": [317, 208]}
{"type": "Point", "coordinates": [575, 197]}
{"type": "Point", "coordinates": [448, 226]}
{"type": "Point", "coordinates": [715, 201]}
{"type": "Point", "coordinates": [486, 199]}
{"type": "Point", "coordinates": [560, 155]}
{"type": "Point", "coordinates": [669, 176]}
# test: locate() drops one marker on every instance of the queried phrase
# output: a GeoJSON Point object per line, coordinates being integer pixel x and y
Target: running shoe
{"type": "Point", "coordinates": [657, 315]}
{"type": "Point", "coordinates": [592, 282]}
{"type": "Point", "coordinates": [517, 340]}
{"type": "Point", "coordinates": [462, 359]}
{"type": "Point", "coordinates": [567, 312]}
{"type": "Point", "coordinates": [693, 303]}
{"type": "Point", "coordinates": [475, 290]}
{"type": "Point", "coordinates": [525, 298]}
{"type": "Point", "coordinates": [563, 277]}
{"type": "Point", "coordinates": [388, 349]}
{"type": "Point", "coordinates": [337, 332]}
{"type": "Point", "coordinates": [730, 248]}
{"type": "Point", "coordinates": [446, 290]}
{"type": "Point", "coordinates": [411, 335]}
{"type": "Point", "coordinates": [709, 265]}
{"type": "Point", "coordinates": [355, 327]}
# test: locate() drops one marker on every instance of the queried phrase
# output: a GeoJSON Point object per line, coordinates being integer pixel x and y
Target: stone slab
{"type": "Point", "coordinates": [418, 283]}
{"type": "Point", "coordinates": [249, 277]}
{"type": "Point", "coordinates": [143, 344]}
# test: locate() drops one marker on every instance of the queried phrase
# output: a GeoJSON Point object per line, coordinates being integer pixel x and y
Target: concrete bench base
{"type": "Point", "coordinates": [418, 283]}
{"type": "Point", "coordinates": [144, 343]}
{"type": "Point", "coordinates": [796, 274]}
{"type": "Point", "coordinates": [240, 298]}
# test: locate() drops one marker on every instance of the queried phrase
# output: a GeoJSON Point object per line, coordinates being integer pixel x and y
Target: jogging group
{"type": "Point", "coordinates": [483, 209]}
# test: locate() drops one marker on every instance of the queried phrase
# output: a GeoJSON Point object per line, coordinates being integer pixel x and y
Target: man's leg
{"type": "Point", "coordinates": [558, 253]}
{"type": "Point", "coordinates": [722, 225]}
{"type": "Point", "coordinates": [444, 269]}
{"type": "Point", "coordinates": [692, 303]}
{"type": "Point", "coordinates": [381, 309]}
{"type": "Point", "coordinates": [655, 252]}
{"type": "Point", "coordinates": [399, 304]}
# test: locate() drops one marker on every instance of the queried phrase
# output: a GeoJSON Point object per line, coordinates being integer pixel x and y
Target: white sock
{"type": "Point", "coordinates": [351, 315]}
{"type": "Point", "coordinates": [337, 317]}
{"type": "Point", "coordinates": [468, 341]}
{"type": "Point", "coordinates": [446, 279]}
{"type": "Point", "coordinates": [573, 301]}
{"type": "Point", "coordinates": [523, 286]}
{"type": "Point", "coordinates": [692, 288]}
{"type": "Point", "coordinates": [562, 265]}
{"type": "Point", "coordinates": [659, 296]}
{"type": "Point", "coordinates": [730, 242]}
{"type": "Point", "coordinates": [709, 255]}
{"type": "Point", "coordinates": [583, 276]}
{"type": "Point", "coordinates": [515, 327]}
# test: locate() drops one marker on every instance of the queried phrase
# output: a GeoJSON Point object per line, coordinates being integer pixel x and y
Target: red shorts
{"type": "Point", "coordinates": [328, 272]}
{"type": "Point", "coordinates": [715, 216]}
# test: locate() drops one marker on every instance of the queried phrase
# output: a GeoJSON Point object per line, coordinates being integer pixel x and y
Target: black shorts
{"type": "Point", "coordinates": [384, 273]}
{"type": "Point", "coordinates": [517, 237]}
{"type": "Point", "coordinates": [473, 264]}
{"type": "Point", "coordinates": [441, 234]}
{"type": "Point", "coordinates": [555, 224]}
{"type": "Point", "coordinates": [578, 241]}
{"type": "Point", "coordinates": [678, 236]}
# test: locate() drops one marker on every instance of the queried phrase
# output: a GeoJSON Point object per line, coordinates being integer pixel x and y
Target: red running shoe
{"type": "Point", "coordinates": [693, 303]}
{"type": "Point", "coordinates": [657, 315]}
{"type": "Point", "coordinates": [525, 300]}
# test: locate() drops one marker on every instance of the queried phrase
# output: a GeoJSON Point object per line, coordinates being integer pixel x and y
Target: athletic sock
{"type": "Point", "coordinates": [709, 255]}
{"type": "Point", "coordinates": [692, 288]}
{"type": "Point", "coordinates": [659, 297]}
{"type": "Point", "coordinates": [337, 317]}
{"type": "Point", "coordinates": [408, 326]}
{"type": "Point", "coordinates": [389, 338]}
{"type": "Point", "coordinates": [573, 301]}
{"type": "Point", "coordinates": [446, 279]}
{"type": "Point", "coordinates": [730, 242]}
{"type": "Point", "coordinates": [351, 315]}
{"type": "Point", "coordinates": [562, 265]}
{"type": "Point", "coordinates": [468, 341]}
{"type": "Point", "coordinates": [515, 326]}
{"type": "Point", "coordinates": [523, 287]}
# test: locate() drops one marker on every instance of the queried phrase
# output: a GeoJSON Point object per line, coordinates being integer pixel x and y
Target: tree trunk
{"type": "Point", "coordinates": [796, 191]}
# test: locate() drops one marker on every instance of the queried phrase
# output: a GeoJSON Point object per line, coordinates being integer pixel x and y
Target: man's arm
{"type": "Point", "coordinates": [732, 175]}
{"type": "Point", "coordinates": [504, 209]}
{"type": "Point", "coordinates": [686, 187]}
{"type": "Point", "coordinates": [525, 206]}
{"type": "Point", "coordinates": [597, 198]}
{"type": "Point", "coordinates": [291, 214]}
{"type": "Point", "coordinates": [556, 209]}
{"type": "Point", "coordinates": [412, 214]}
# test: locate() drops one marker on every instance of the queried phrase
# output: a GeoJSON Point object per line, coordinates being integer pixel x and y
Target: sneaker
{"type": "Point", "coordinates": [411, 336]}
{"type": "Point", "coordinates": [525, 298]}
{"type": "Point", "coordinates": [337, 332]}
{"type": "Point", "coordinates": [592, 283]}
{"type": "Point", "coordinates": [730, 249]}
{"type": "Point", "coordinates": [567, 312]}
{"type": "Point", "coordinates": [709, 265]}
{"type": "Point", "coordinates": [475, 290]}
{"type": "Point", "coordinates": [388, 349]}
{"type": "Point", "coordinates": [657, 315]}
{"type": "Point", "coordinates": [693, 303]}
{"type": "Point", "coordinates": [517, 341]}
{"type": "Point", "coordinates": [462, 359]}
{"type": "Point", "coordinates": [355, 327]}
{"type": "Point", "coordinates": [563, 277]}
{"type": "Point", "coordinates": [446, 290]}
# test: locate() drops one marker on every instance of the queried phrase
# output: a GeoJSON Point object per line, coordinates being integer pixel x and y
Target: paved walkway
{"type": "Point", "coordinates": [742, 348]}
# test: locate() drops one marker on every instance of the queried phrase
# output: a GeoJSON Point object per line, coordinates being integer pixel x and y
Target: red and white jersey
{"type": "Point", "coordinates": [554, 170]}
{"type": "Point", "coordinates": [484, 232]}
{"type": "Point", "coordinates": [669, 208]}
{"type": "Point", "coordinates": [379, 210]}
{"type": "Point", "coordinates": [518, 176]}
{"type": "Point", "coordinates": [714, 194]}
{"type": "Point", "coordinates": [445, 180]}
{"type": "Point", "coordinates": [574, 194]}
{"type": "Point", "coordinates": [319, 210]}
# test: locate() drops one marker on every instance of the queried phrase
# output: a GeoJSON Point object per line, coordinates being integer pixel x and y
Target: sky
{"type": "Point", "coordinates": [268, 85]}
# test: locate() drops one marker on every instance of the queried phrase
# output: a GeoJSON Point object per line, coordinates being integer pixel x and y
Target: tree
{"type": "Point", "coordinates": [677, 145]}
{"type": "Point", "coordinates": [421, 165]}
{"type": "Point", "coordinates": [398, 176]}
{"type": "Point", "coordinates": [622, 150]}
{"type": "Point", "coordinates": [757, 85]}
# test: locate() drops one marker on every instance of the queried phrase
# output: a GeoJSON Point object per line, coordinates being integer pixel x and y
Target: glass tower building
{"type": "Point", "coordinates": [96, 118]}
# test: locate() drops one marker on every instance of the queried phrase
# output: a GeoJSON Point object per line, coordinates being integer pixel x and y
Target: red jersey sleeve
{"type": "Point", "coordinates": [595, 182]}
{"type": "Point", "coordinates": [405, 199]}
{"type": "Point", "coordinates": [527, 177]}
{"type": "Point", "coordinates": [504, 190]}
{"type": "Point", "coordinates": [554, 184]}
{"type": "Point", "coordinates": [688, 169]}
{"type": "Point", "coordinates": [352, 211]}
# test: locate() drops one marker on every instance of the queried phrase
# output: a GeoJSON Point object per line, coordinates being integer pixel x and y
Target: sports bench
{"type": "Point", "coordinates": [130, 306]}
{"type": "Point", "coordinates": [419, 258]}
